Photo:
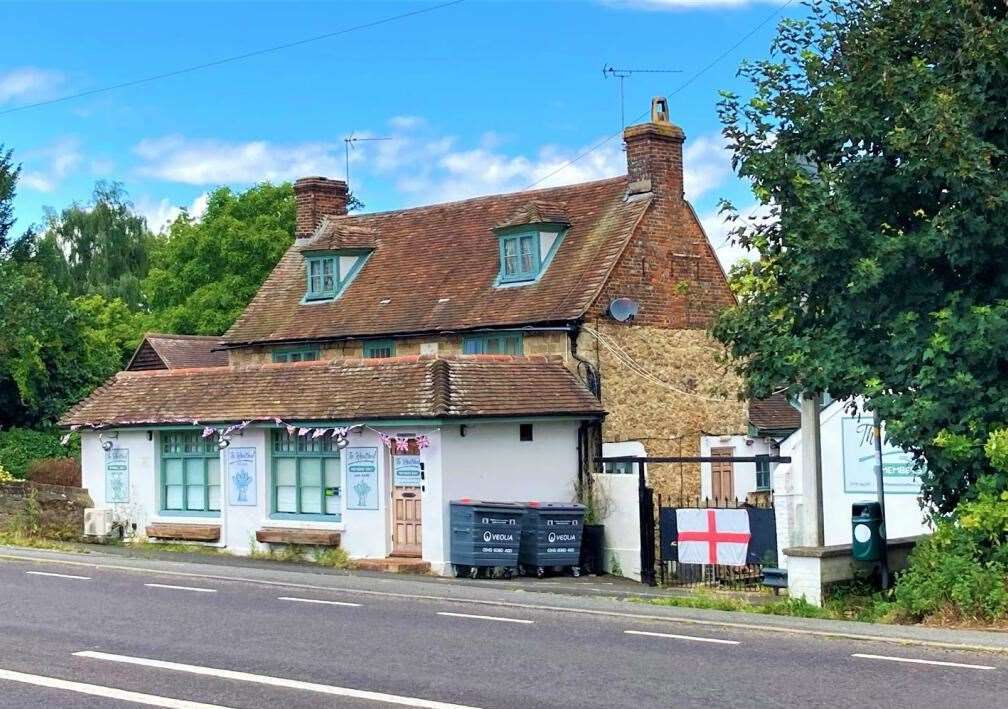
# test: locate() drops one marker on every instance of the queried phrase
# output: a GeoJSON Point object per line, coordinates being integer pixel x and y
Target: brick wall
{"type": "Point", "coordinates": [317, 197]}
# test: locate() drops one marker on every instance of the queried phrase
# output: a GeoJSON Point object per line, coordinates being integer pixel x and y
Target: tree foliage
{"type": "Point", "coordinates": [8, 184]}
{"type": "Point", "coordinates": [877, 136]}
{"type": "Point", "coordinates": [100, 248]}
{"type": "Point", "coordinates": [206, 271]}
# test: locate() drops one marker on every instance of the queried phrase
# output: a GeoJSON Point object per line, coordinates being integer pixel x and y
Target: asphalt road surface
{"type": "Point", "coordinates": [94, 637]}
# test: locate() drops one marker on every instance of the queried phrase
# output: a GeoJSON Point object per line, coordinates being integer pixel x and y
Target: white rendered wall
{"type": "Point", "coordinates": [490, 463]}
{"type": "Point", "coordinates": [743, 474]}
{"type": "Point", "coordinates": [622, 522]}
{"type": "Point", "coordinates": [904, 516]}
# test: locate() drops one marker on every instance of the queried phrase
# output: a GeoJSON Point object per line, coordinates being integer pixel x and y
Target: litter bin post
{"type": "Point", "coordinates": [867, 542]}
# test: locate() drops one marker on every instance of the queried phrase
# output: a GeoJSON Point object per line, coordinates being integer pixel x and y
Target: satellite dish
{"type": "Point", "coordinates": [623, 309]}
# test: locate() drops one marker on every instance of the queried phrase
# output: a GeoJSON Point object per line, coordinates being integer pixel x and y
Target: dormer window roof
{"type": "Point", "coordinates": [333, 255]}
{"type": "Point", "coordinates": [528, 241]}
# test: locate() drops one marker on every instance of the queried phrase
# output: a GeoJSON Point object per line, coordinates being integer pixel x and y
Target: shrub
{"type": "Point", "coordinates": [55, 471]}
{"type": "Point", "coordinates": [20, 446]}
{"type": "Point", "coordinates": [5, 476]}
{"type": "Point", "coordinates": [960, 573]}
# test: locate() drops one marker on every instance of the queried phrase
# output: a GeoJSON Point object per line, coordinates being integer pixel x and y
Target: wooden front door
{"type": "Point", "coordinates": [722, 474]}
{"type": "Point", "coordinates": [407, 494]}
{"type": "Point", "coordinates": [406, 522]}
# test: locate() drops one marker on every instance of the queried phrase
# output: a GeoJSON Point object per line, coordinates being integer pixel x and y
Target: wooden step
{"type": "Point", "coordinates": [394, 565]}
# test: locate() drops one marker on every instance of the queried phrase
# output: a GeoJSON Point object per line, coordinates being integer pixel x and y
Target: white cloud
{"type": "Point", "coordinates": [717, 229]}
{"type": "Point", "coordinates": [706, 164]}
{"type": "Point", "coordinates": [27, 83]}
{"type": "Point", "coordinates": [46, 167]}
{"type": "Point", "coordinates": [176, 158]}
{"type": "Point", "coordinates": [160, 213]}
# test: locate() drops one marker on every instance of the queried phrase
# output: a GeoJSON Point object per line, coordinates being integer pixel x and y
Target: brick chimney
{"type": "Point", "coordinates": [654, 152]}
{"type": "Point", "coordinates": [318, 197]}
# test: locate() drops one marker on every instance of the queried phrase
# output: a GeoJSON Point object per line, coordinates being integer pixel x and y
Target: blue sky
{"type": "Point", "coordinates": [476, 98]}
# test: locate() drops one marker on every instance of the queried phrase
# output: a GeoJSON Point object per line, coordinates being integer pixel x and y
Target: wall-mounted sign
{"type": "Point", "coordinates": [117, 486]}
{"type": "Point", "coordinates": [898, 474]}
{"type": "Point", "coordinates": [407, 471]}
{"type": "Point", "coordinates": [361, 478]}
{"type": "Point", "coordinates": [241, 472]}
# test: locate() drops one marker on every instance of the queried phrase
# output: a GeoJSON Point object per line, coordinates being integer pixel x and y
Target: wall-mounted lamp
{"type": "Point", "coordinates": [150, 435]}
{"type": "Point", "coordinates": [223, 443]}
{"type": "Point", "coordinates": [108, 443]}
{"type": "Point", "coordinates": [462, 430]}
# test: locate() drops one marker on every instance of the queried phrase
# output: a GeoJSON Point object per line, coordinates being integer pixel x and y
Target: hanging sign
{"type": "Point", "coordinates": [898, 474]}
{"type": "Point", "coordinates": [117, 475]}
{"type": "Point", "coordinates": [362, 478]}
{"type": "Point", "coordinates": [407, 471]}
{"type": "Point", "coordinates": [241, 470]}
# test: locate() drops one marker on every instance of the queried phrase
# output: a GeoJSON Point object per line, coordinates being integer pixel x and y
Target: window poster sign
{"type": "Point", "coordinates": [241, 471]}
{"type": "Point", "coordinates": [117, 485]}
{"type": "Point", "coordinates": [362, 478]}
{"type": "Point", "coordinates": [407, 471]}
{"type": "Point", "coordinates": [898, 474]}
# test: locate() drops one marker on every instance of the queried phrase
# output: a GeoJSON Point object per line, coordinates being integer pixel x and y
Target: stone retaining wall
{"type": "Point", "coordinates": [60, 509]}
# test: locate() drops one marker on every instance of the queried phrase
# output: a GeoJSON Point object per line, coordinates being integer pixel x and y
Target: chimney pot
{"type": "Point", "coordinates": [655, 153]}
{"type": "Point", "coordinates": [316, 198]}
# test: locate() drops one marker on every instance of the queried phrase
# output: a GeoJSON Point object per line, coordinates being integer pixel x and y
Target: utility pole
{"type": "Point", "coordinates": [884, 562]}
{"type": "Point", "coordinates": [611, 72]}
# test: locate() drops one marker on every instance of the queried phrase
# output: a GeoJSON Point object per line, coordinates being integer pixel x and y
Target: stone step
{"type": "Point", "coordinates": [394, 565]}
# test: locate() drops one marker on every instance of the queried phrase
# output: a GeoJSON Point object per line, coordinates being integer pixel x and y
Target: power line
{"type": "Point", "coordinates": [679, 88]}
{"type": "Point", "coordinates": [228, 60]}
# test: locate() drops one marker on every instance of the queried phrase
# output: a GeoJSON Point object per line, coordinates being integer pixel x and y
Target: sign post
{"type": "Point", "coordinates": [884, 562]}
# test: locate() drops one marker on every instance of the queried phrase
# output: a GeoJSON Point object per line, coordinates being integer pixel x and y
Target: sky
{"type": "Point", "coordinates": [473, 98]}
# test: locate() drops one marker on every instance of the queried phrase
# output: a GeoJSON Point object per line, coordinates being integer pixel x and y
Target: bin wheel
{"type": "Point", "coordinates": [540, 572]}
{"type": "Point", "coordinates": [576, 570]}
{"type": "Point", "coordinates": [458, 570]}
{"type": "Point", "coordinates": [473, 572]}
{"type": "Point", "coordinates": [521, 570]}
{"type": "Point", "coordinates": [509, 573]}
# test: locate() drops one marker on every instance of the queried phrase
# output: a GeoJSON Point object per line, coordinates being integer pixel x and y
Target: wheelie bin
{"type": "Point", "coordinates": [551, 538]}
{"type": "Point", "coordinates": [485, 537]}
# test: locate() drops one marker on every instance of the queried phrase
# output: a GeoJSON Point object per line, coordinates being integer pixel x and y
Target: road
{"type": "Point", "coordinates": [87, 636]}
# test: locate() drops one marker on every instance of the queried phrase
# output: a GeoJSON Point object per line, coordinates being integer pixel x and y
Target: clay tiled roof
{"type": "Point", "coordinates": [537, 212]}
{"type": "Point", "coordinates": [336, 233]}
{"type": "Point", "coordinates": [182, 351]}
{"type": "Point", "coordinates": [341, 390]}
{"type": "Point", "coordinates": [434, 268]}
{"type": "Point", "coordinates": [774, 413]}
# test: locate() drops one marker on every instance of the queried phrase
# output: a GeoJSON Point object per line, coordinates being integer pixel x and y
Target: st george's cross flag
{"type": "Point", "coordinates": [713, 536]}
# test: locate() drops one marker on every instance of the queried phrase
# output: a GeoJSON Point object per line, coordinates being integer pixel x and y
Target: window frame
{"type": "Point", "coordinates": [206, 450]}
{"type": "Point", "coordinates": [766, 471]}
{"type": "Point", "coordinates": [518, 239]}
{"type": "Point", "coordinates": [322, 293]}
{"type": "Point", "coordinates": [477, 343]}
{"type": "Point", "coordinates": [371, 345]}
{"type": "Point", "coordinates": [333, 453]}
{"type": "Point", "coordinates": [284, 356]}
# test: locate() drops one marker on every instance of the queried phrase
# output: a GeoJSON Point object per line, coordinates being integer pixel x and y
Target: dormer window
{"type": "Point", "coordinates": [528, 242]}
{"type": "Point", "coordinates": [519, 257]}
{"type": "Point", "coordinates": [328, 274]}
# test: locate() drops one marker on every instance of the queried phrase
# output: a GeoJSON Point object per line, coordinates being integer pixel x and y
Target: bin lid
{"type": "Point", "coordinates": [866, 508]}
{"type": "Point", "coordinates": [467, 502]}
{"type": "Point", "coordinates": [556, 506]}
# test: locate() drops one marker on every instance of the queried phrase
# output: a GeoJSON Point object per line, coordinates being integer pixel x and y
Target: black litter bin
{"type": "Point", "coordinates": [485, 535]}
{"type": "Point", "coordinates": [551, 537]}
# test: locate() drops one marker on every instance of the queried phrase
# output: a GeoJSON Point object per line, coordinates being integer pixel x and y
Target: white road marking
{"type": "Point", "coordinates": [922, 662]}
{"type": "Point", "coordinates": [763, 627]}
{"type": "Point", "coordinates": [97, 690]}
{"type": "Point", "coordinates": [59, 576]}
{"type": "Point", "coordinates": [487, 617]}
{"type": "Point", "coordinates": [316, 600]}
{"type": "Point", "coordinates": [682, 637]}
{"type": "Point", "coordinates": [273, 681]}
{"type": "Point", "coordinates": [181, 588]}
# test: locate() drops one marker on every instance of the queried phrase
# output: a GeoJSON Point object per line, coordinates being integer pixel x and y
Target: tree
{"type": "Point", "coordinates": [205, 272]}
{"type": "Point", "coordinates": [52, 354]}
{"type": "Point", "coordinates": [8, 183]}
{"type": "Point", "coordinates": [101, 247]}
{"type": "Point", "coordinates": [877, 137]}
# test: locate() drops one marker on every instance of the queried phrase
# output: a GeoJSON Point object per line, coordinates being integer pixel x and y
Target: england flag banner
{"type": "Point", "coordinates": [718, 537]}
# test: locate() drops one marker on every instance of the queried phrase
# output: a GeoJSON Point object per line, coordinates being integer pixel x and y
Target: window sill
{"type": "Point", "coordinates": [188, 513]}
{"type": "Point", "coordinates": [293, 517]}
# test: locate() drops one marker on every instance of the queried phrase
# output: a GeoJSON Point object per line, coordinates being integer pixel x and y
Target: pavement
{"type": "Point", "coordinates": [101, 630]}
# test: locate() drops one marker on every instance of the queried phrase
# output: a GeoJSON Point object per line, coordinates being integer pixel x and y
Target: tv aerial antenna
{"type": "Point", "coordinates": [350, 143]}
{"type": "Point", "coordinates": [611, 72]}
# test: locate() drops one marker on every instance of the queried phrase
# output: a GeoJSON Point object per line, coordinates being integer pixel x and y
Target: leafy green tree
{"type": "Point", "coordinates": [8, 183]}
{"type": "Point", "coordinates": [204, 272]}
{"type": "Point", "coordinates": [101, 247]}
{"type": "Point", "coordinates": [876, 135]}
